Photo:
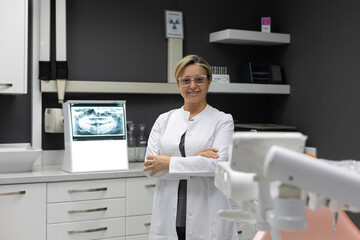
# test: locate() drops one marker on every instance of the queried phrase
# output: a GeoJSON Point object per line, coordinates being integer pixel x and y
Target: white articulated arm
{"type": "Point", "coordinates": [316, 176]}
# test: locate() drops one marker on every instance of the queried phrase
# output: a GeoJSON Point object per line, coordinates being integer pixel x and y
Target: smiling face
{"type": "Point", "coordinates": [193, 94]}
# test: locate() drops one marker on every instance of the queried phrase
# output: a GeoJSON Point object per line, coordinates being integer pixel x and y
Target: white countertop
{"type": "Point", "coordinates": [44, 174]}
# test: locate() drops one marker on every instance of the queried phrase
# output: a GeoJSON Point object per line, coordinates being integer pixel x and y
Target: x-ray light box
{"type": "Point", "coordinates": [95, 136]}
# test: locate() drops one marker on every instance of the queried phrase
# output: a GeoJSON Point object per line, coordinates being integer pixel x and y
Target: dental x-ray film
{"type": "Point", "coordinates": [97, 121]}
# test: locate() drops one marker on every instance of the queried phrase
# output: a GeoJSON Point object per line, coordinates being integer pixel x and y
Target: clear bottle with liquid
{"type": "Point", "coordinates": [141, 144]}
{"type": "Point", "coordinates": [131, 143]}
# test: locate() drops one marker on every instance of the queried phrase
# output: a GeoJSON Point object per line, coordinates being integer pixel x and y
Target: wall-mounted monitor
{"type": "Point", "coordinates": [95, 136]}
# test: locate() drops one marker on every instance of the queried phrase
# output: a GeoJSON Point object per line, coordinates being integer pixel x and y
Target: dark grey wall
{"type": "Point", "coordinates": [15, 118]}
{"type": "Point", "coordinates": [322, 65]}
{"type": "Point", "coordinates": [125, 41]}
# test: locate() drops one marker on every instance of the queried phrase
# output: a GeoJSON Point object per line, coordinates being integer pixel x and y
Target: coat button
{"type": "Point", "coordinates": [188, 152]}
{"type": "Point", "coordinates": [189, 234]}
{"type": "Point", "coordinates": [190, 213]}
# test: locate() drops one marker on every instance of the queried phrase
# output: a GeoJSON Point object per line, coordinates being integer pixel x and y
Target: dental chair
{"type": "Point", "coordinates": [320, 227]}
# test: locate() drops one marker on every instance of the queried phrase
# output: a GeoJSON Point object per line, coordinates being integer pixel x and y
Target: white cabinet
{"type": "Point", "coordinates": [139, 201]}
{"type": "Point", "coordinates": [109, 209]}
{"type": "Point", "coordinates": [100, 209]}
{"type": "Point", "coordinates": [13, 46]}
{"type": "Point", "coordinates": [23, 211]}
{"type": "Point", "coordinates": [86, 210]}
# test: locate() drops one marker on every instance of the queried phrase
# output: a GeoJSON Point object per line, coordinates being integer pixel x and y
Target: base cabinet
{"type": "Point", "coordinates": [86, 210]}
{"type": "Point", "coordinates": [111, 209]}
{"type": "Point", "coordinates": [23, 211]}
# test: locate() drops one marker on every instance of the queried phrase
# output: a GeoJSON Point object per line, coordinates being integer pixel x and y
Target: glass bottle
{"type": "Point", "coordinates": [131, 143]}
{"type": "Point", "coordinates": [141, 143]}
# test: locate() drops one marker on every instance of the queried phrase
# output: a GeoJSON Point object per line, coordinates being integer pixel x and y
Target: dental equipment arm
{"type": "Point", "coordinates": [272, 183]}
{"type": "Point", "coordinates": [321, 177]}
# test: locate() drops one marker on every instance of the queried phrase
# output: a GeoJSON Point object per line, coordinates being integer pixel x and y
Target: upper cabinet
{"type": "Point", "coordinates": [13, 46]}
{"type": "Point", "coordinates": [232, 36]}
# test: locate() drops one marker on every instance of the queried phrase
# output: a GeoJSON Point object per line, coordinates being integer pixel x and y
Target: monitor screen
{"type": "Point", "coordinates": [97, 121]}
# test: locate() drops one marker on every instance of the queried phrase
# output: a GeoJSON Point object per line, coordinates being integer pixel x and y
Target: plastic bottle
{"type": "Point", "coordinates": [131, 143]}
{"type": "Point", "coordinates": [141, 144]}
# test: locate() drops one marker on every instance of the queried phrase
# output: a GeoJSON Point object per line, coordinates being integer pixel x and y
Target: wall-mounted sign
{"type": "Point", "coordinates": [174, 24]}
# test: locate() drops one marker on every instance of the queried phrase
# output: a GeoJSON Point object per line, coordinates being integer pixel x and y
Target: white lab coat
{"type": "Point", "coordinates": [210, 128]}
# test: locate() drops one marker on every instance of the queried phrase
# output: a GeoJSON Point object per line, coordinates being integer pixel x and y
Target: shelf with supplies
{"type": "Point", "coordinates": [245, 37]}
{"type": "Point", "coordinates": [73, 86]}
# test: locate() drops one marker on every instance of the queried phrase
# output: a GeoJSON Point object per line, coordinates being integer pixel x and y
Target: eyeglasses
{"type": "Point", "coordinates": [186, 81]}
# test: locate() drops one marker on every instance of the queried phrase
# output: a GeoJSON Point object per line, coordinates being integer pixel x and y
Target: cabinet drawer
{"type": "Point", "coordinates": [86, 230]}
{"type": "Point", "coordinates": [138, 225]}
{"type": "Point", "coordinates": [85, 210]}
{"type": "Point", "coordinates": [139, 195]}
{"type": "Point", "coordinates": [85, 190]}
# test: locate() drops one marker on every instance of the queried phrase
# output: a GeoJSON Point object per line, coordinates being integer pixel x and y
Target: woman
{"type": "Point", "coordinates": [183, 150]}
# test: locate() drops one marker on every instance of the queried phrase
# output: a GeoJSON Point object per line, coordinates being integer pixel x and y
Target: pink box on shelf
{"type": "Point", "coordinates": [265, 24]}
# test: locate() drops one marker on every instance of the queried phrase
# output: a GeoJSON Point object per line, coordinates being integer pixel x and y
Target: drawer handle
{"type": "Point", "coordinates": [88, 210]}
{"type": "Point", "coordinates": [150, 185]}
{"type": "Point", "coordinates": [147, 224]}
{"type": "Point", "coordinates": [13, 193]}
{"type": "Point", "coordinates": [88, 230]}
{"type": "Point", "coordinates": [6, 84]}
{"type": "Point", "coordinates": [88, 190]}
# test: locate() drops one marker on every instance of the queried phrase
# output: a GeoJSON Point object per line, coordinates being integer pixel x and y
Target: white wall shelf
{"type": "Point", "coordinates": [232, 36]}
{"type": "Point", "coordinates": [73, 86]}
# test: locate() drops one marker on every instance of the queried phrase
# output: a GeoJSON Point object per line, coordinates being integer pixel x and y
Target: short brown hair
{"type": "Point", "coordinates": [191, 60]}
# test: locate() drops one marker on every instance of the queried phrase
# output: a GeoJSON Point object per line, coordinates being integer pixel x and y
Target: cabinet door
{"type": "Point", "coordinates": [138, 225]}
{"type": "Point", "coordinates": [13, 46]}
{"type": "Point", "coordinates": [139, 195]}
{"type": "Point", "coordinates": [23, 211]}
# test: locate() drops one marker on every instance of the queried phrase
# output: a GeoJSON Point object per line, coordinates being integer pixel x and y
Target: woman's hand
{"type": "Point", "coordinates": [210, 153]}
{"type": "Point", "coordinates": [157, 163]}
